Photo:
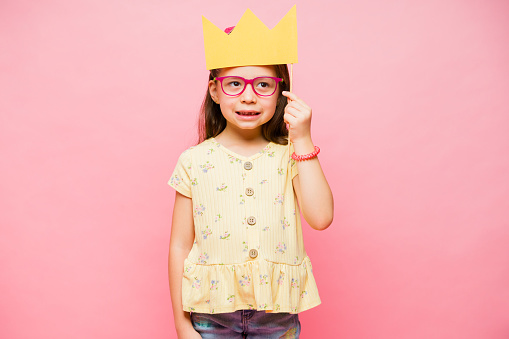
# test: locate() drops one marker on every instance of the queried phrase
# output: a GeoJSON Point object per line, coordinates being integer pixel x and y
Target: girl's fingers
{"type": "Point", "coordinates": [298, 106]}
{"type": "Point", "coordinates": [290, 119]}
{"type": "Point", "coordinates": [290, 95]}
{"type": "Point", "coordinates": [293, 111]}
{"type": "Point", "coordinates": [294, 98]}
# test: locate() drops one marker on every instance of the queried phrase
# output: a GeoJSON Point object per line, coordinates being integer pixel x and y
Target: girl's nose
{"type": "Point", "coordinates": [248, 95]}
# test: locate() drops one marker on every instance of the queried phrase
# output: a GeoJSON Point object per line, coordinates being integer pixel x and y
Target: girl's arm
{"type": "Point", "coordinates": [181, 241]}
{"type": "Point", "coordinates": [313, 192]}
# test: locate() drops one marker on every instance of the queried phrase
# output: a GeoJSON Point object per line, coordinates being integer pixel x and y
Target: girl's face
{"type": "Point", "coordinates": [247, 110]}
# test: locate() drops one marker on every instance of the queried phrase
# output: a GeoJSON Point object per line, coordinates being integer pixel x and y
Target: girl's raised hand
{"type": "Point", "coordinates": [298, 116]}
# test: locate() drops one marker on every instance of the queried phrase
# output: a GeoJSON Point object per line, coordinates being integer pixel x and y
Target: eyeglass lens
{"type": "Point", "coordinates": [261, 86]}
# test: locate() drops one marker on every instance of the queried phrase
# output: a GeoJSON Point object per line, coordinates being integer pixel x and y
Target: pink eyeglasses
{"type": "Point", "coordinates": [262, 86]}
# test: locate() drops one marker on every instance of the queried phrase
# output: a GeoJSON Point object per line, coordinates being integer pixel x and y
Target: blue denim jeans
{"type": "Point", "coordinates": [246, 324]}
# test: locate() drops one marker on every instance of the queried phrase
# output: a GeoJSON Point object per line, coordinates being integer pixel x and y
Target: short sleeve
{"type": "Point", "coordinates": [180, 180]}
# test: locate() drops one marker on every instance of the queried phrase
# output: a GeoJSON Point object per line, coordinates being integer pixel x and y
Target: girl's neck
{"type": "Point", "coordinates": [245, 142]}
{"type": "Point", "coordinates": [241, 136]}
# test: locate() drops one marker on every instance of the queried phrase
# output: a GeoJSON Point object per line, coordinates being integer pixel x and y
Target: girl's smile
{"type": "Point", "coordinates": [248, 114]}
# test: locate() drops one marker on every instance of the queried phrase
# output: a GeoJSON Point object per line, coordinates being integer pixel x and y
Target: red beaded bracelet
{"type": "Point", "coordinates": [306, 156]}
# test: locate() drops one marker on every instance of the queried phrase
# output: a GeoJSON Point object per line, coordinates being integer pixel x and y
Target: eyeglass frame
{"type": "Point", "coordinates": [247, 82]}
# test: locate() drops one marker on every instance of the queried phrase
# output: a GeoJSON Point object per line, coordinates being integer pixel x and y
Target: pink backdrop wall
{"type": "Point", "coordinates": [411, 110]}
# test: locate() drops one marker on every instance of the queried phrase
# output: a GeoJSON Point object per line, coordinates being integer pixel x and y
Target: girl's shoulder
{"type": "Point", "coordinates": [279, 147]}
{"type": "Point", "coordinates": [199, 150]}
{"type": "Point", "coordinates": [283, 149]}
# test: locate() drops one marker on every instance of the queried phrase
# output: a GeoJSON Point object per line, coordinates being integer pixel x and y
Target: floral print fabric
{"type": "Point", "coordinates": [238, 208]}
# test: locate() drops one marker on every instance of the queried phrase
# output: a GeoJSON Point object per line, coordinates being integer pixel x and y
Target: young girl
{"type": "Point", "coordinates": [237, 264]}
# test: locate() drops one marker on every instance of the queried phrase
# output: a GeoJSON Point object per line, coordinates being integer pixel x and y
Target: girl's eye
{"type": "Point", "coordinates": [234, 84]}
{"type": "Point", "coordinates": [263, 84]}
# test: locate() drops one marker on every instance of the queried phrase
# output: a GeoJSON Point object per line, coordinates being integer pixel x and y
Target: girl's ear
{"type": "Point", "coordinates": [213, 91]}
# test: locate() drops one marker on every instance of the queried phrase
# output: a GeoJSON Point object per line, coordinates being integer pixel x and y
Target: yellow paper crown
{"type": "Point", "coordinates": [251, 42]}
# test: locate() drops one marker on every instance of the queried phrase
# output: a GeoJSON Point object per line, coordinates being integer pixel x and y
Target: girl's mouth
{"type": "Point", "coordinates": [247, 113]}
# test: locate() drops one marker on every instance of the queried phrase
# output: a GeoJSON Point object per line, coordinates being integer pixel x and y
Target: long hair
{"type": "Point", "coordinates": [211, 121]}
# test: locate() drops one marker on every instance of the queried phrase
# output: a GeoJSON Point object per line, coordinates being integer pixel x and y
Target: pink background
{"type": "Point", "coordinates": [411, 110]}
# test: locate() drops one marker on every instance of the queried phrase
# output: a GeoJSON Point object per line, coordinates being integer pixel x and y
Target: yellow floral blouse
{"type": "Point", "coordinates": [248, 251]}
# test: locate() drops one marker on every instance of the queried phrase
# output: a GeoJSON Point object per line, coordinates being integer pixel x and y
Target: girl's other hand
{"type": "Point", "coordinates": [298, 116]}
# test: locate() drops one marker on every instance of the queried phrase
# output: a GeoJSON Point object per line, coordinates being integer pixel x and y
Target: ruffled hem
{"type": "Point", "coordinates": [257, 284]}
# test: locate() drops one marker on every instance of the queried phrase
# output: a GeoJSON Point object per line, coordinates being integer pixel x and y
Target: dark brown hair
{"type": "Point", "coordinates": [211, 121]}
